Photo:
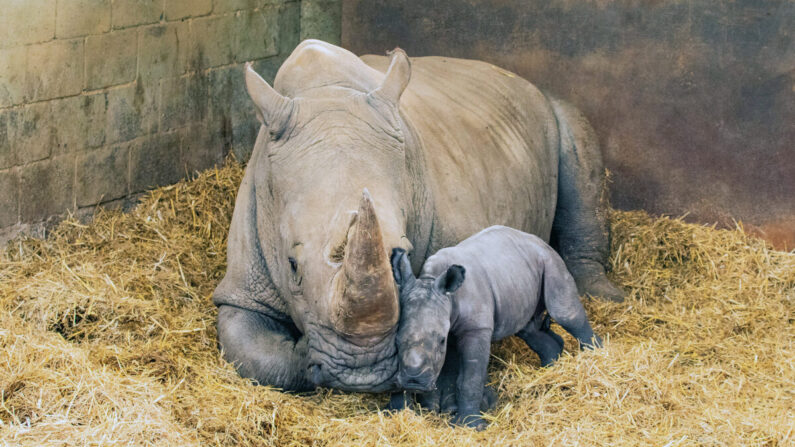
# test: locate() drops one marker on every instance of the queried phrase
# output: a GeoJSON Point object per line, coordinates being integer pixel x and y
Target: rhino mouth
{"type": "Point", "coordinates": [337, 362]}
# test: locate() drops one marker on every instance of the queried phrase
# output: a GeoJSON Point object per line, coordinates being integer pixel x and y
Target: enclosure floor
{"type": "Point", "coordinates": [107, 337]}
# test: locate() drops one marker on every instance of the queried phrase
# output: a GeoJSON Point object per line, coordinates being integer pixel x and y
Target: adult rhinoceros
{"type": "Point", "coordinates": [350, 163]}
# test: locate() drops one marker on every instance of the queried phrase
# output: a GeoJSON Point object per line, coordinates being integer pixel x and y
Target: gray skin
{"type": "Point", "coordinates": [512, 280]}
{"type": "Point", "coordinates": [444, 147]}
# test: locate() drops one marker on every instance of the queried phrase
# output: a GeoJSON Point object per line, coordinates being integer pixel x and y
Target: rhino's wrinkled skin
{"type": "Point", "coordinates": [350, 163]}
{"type": "Point", "coordinates": [497, 283]}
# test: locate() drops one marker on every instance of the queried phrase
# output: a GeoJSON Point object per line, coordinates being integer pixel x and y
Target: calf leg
{"type": "Point", "coordinates": [579, 231]}
{"type": "Point", "coordinates": [547, 348]}
{"type": "Point", "coordinates": [474, 349]}
{"type": "Point", "coordinates": [263, 349]}
{"type": "Point", "coordinates": [563, 303]}
{"type": "Point", "coordinates": [446, 384]}
{"type": "Point", "coordinates": [399, 401]}
{"type": "Point", "coordinates": [447, 399]}
{"type": "Point", "coordinates": [547, 329]}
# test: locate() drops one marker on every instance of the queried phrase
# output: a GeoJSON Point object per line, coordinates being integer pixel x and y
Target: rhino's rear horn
{"type": "Point", "coordinates": [368, 304]}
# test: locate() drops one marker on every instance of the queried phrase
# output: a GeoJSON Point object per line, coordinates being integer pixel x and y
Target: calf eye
{"type": "Point", "coordinates": [293, 265]}
{"type": "Point", "coordinates": [443, 340]}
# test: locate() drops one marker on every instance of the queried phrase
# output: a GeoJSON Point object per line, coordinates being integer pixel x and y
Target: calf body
{"type": "Point", "coordinates": [494, 284]}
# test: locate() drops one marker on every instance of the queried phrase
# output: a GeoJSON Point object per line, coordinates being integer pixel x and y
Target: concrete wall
{"type": "Point", "coordinates": [694, 100]}
{"type": "Point", "coordinates": [101, 99]}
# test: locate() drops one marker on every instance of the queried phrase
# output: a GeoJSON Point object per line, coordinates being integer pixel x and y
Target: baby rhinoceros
{"type": "Point", "coordinates": [512, 278]}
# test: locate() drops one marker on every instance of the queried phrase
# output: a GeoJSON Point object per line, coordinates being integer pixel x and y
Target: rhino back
{"type": "Point", "coordinates": [490, 140]}
{"type": "Point", "coordinates": [504, 270]}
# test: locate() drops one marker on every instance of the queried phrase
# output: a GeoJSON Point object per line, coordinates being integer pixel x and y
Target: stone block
{"type": "Point", "coordinates": [222, 6]}
{"type": "Point", "coordinates": [161, 50]}
{"type": "Point", "coordinates": [179, 9]}
{"type": "Point", "coordinates": [184, 100]}
{"type": "Point", "coordinates": [321, 19]}
{"type": "Point", "coordinates": [267, 68]}
{"type": "Point", "coordinates": [132, 112]}
{"type": "Point", "coordinates": [221, 85]}
{"type": "Point", "coordinates": [214, 39]}
{"type": "Point", "coordinates": [47, 187]}
{"type": "Point", "coordinates": [12, 76]}
{"type": "Point", "coordinates": [78, 122]}
{"type": "Point", "coordinates": [31, 132]}
{"type": "Point", "coordinates": [9, 193]}
{"type": "Point", "coordinates": [127, 13]}
{"type": "Point", "coordinates": [201, 147]}
{"type": "Point", "coordinates": [101, 175]}
{"type": "Point", "coordinates": [26, 21]}
{"type": "Point", "coordinates": [54, 69]}
{"type": "Point", "coordinates": [289, 27]}
{"type": "Point", "coordinates": [6, 154]}
{"type": "Point", "coordinates": [155, 161]}
{"type": "Point", "coordinates": [111, 59]}
{"type": "Point", "coordinates": [82, 17]}
{"type": "Point", "coordinates": [257, 34]}
{"type": "Point", "coordinates": [244, 135]}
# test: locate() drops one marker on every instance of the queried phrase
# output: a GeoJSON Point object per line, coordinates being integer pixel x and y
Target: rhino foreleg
{"type": "Point", "coordinates": [263, 348]}
{"type": "Point", "coordinates": [580, 232]}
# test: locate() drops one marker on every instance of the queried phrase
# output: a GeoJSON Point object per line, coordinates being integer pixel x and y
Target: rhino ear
{"type": "Point", "coordinates": [270, 104]}
{"type": "Point", "coordinates": [401, 267]}
{"type": "Point", "coordinates": [452, 279]}
{"type": "Point", "coordinates": [396, 79]}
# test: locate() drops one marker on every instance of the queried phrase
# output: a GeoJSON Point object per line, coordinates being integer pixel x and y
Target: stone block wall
{"type": "Point", "coordinates": [103, 99]}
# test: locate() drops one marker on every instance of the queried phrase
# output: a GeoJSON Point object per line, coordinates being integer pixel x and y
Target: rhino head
{"type": "Point", "coordinates": [333, 198]}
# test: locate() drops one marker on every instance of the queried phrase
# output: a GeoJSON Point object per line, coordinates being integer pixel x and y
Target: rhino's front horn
{"type": "Point", "coordinates": [368, 303]}
{"type": "Point", "coordinates": [270, 104]}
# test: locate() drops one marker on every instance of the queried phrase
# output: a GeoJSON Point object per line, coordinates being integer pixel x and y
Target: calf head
{"type": "Point", "coordinates": [425, 310]}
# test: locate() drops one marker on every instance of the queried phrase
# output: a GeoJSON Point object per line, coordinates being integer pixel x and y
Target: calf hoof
{"type": "Point", "coordinates": [471, 421]}
{"type": "Point", "coordinates": [430, 401]}
{"type": "Point", "coordinates": [448, 403]}
{"type": "Point", "coordinates": [489, 400]}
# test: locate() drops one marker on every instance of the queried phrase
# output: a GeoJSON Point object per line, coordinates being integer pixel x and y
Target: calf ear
{"type": "Point", "coordinates": [452, 279]}
{"type": "Point", "coordinates": [401, 267]}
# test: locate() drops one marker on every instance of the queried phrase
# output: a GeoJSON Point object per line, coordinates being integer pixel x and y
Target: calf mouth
{"type": "Point", "coordinates": [422, 383]}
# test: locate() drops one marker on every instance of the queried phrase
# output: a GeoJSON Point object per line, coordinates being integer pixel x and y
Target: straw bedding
{"type": "Point", "coordinates": [107, 337]}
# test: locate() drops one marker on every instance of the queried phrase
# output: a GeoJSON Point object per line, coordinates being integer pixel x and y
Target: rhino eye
{"type": "Point", "coordinates": [443, 340]}
{"type": "Point", "coordinates": [293, 265]}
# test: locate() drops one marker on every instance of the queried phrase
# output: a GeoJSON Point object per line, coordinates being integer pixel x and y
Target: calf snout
{"type": "Point", "coordinates": [415, 373]}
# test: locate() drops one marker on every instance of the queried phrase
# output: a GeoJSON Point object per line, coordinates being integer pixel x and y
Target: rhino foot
{"type": "Point", "coordinates": [592, 281]}
{"type": "Point", "coordinates": [600, 287]}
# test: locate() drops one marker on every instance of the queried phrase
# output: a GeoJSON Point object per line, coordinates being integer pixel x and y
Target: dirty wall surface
{"type": "Point", "coordinates": [693, 101]}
